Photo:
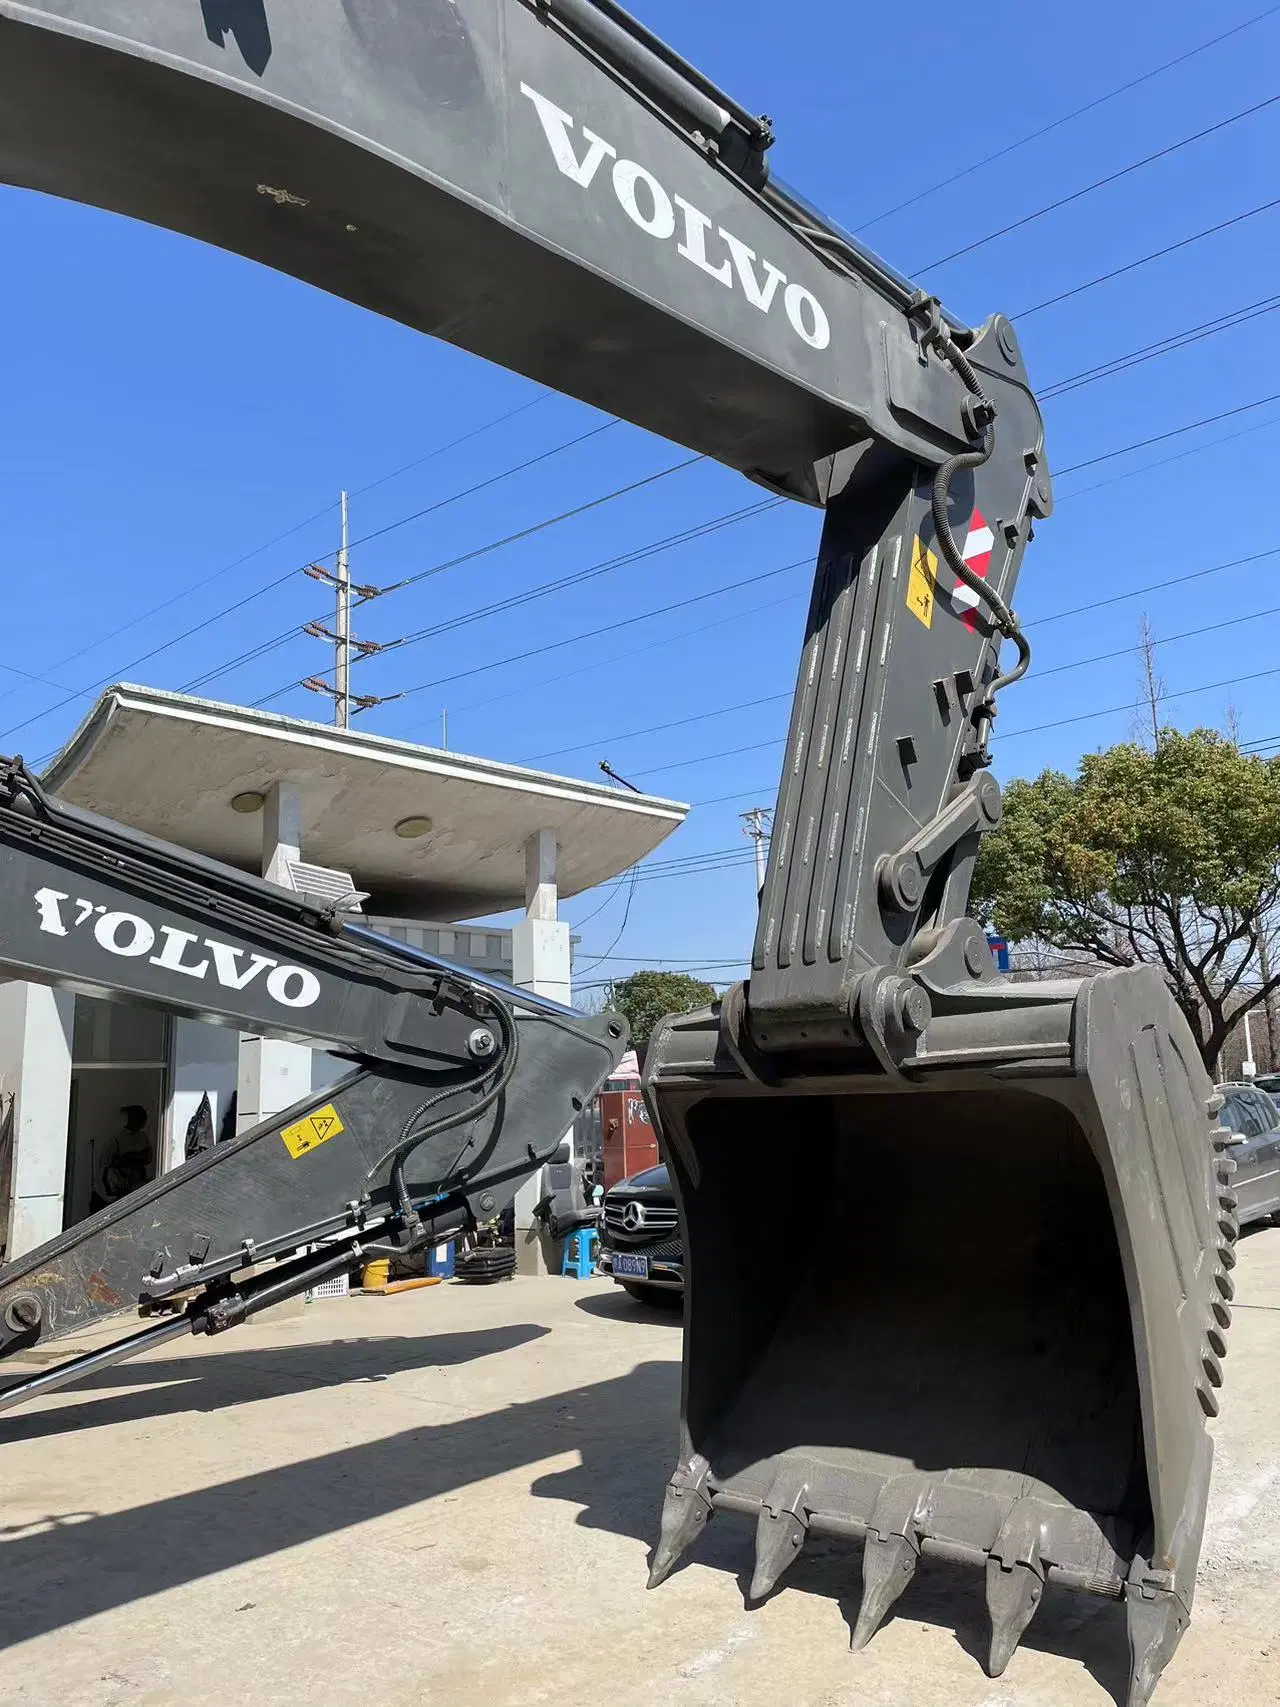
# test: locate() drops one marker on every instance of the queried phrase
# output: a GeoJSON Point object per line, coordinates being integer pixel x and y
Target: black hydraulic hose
{"type": "Point", "coordinates": [1005, 620]}
{"type": "Point", "coordinates": [412, 1135]}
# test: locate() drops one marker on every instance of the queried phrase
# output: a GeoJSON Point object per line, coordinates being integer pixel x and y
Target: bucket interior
{"type": "Point", "coordinates": [921, 1281]}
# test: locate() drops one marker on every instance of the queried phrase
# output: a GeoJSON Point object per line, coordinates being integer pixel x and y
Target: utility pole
{"type": "Point", "coordinates": [755, 826]}
{"type": "Point", "coordinates": [342, 672]}
{"type": "Point", "coordinates": [339, 690]}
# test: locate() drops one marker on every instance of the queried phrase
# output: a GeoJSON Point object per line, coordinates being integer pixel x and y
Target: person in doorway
{"type": "Point", "coordinates": [124, 1161]}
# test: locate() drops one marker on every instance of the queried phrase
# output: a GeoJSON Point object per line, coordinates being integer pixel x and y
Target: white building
{"type": "Point", "coordinates": [433, 840]}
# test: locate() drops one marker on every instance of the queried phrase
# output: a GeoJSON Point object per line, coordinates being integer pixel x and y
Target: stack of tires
{"type": "Point", "coordinates": [484, 1266]}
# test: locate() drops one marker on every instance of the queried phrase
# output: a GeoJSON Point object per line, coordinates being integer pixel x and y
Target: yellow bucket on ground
{"type": "Point", "coordinates": [376, 1275]}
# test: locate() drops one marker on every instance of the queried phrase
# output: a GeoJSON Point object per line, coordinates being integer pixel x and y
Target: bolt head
{"type": "Point", "coordinates": [488, 1202]}
{"type": "Point", "coordinates": [977, 957]}
{"type": "Point", "coordinates": [914, 1009]}
{"type": "Point", "coordinates": [1007, 342]}
{"type": "Point", "coordinates": [482, 1043]}
{"type": "Point", "coordinates": [23, 1313]}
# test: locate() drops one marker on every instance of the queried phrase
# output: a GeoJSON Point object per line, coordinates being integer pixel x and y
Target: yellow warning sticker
{"type": "Point", "coordinates": [922, 583]}
{"type": "Point", "coordinates": [317, 1128]}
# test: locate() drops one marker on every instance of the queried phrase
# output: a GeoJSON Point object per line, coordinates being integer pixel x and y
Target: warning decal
{"type": "Point", "coordinates": [977, 554]}
{"type": "Point", "coordinates": [922, 582]}
{"type": "Point", "coordinates": [317, 1128]}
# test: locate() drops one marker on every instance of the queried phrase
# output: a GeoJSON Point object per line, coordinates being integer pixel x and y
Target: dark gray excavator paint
{"type": "Point", "coordinates": [1008, 1359]}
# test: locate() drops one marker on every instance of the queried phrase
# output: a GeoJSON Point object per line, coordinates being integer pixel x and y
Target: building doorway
{"type": "Point", "coordinates": [119, 1063]}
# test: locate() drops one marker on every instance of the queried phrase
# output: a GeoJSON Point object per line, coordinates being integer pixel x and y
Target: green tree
{"type": "Point", "coordinates": [646, 997]}
{"type": "Point", "coordinates": [1168, 855]}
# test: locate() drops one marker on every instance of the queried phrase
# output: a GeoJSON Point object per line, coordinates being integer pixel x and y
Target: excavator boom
{"type": "Point", "coordinates": [1007, 1355]}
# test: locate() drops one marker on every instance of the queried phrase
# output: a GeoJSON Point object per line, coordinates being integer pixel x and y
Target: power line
{"type": "Point", "coordinates": [486, 550]}
{"type": "Point", "coordinates": [594, 633]}
{"type": "Point", "coordinates": [1154, 587]}
{"type": "Point", "coordinates": [1163, 347]}
{"type": "Point", "coordinates": [1097, 184]}
{"type": "Point", "coordinates": [260, 651]}
{"type": "Point", "coordinates": [1066, 118]}
{"type": "Point", "coordinates": [257, 551]}
{"type": "Point", "coordinates": [1155, 255]}
{"type": "Point", "coordinates": [659, 728]}
{"type": "Point", "coordinates": [1173, 433]}
{"type": "Point", "coordinates": [641, 553]}
{"type": "Point", "coordinates": [1112, 710]}
{"type": "Point", "coordinates": [1054, 670]}
{"type": "Point", "coordinates": [1165, 461]}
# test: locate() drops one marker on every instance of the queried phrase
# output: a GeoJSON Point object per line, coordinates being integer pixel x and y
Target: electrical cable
{"type": "Point", "coordinates": [1155, 255]}
{"type": "Point", "coordinates": [641, 554]}
{"type": "Point", "coordinates": [589, 634]}
{"type": "Point", "coordinates": [379, 533]}
{"type": "Point", "coordinates": [1162, 347]}
{"type": "Point", "coordinates": [1066, 118]}
{"type": "Point", "coordinates": [622, 928]}
{"type": "Point", "coordinates": [293, 631]}
{"type": "Point", "coordinates": [270, 544]}
{"type": "Point", "coordinates": [1173, 433]}
{"type": "Point", "coordinates": [1097, 184]}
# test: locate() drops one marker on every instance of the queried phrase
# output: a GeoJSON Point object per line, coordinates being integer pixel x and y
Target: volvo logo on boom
{"type": "Point", "coordinates": [132, 937]}
{"type": "Point", "coordinates": [647, 204]}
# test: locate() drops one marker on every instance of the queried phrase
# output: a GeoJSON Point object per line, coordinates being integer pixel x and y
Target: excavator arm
{"type": "Point", "coordinates": [460, 1087]}
{"type": "Point", "coordinates": [1004, 1347]}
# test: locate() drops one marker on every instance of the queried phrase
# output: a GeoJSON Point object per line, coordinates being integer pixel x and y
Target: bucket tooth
{"type": "Point", "coordinates": [685, 1514]}
{"type": "Point", "coordinates": [1155, 1629]}
{"type": "Point", "coordinates": [888, 1565]}
{"type": "Point", "coordinates": [779, 1538]}
{"type": "Point", "coordinates": [1013, 1594]}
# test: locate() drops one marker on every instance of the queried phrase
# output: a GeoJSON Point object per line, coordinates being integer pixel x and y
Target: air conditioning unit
{"type": "Point", "coordinates": [324, 885]}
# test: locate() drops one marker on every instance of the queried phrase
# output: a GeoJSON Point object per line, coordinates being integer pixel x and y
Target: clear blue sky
{"type": "Point", "coordinates": [170, 409]}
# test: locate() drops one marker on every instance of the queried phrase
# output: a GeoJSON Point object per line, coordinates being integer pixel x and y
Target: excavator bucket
{"type": "Point", "coordinates": [976, 1312]}
{"type": "Point", "coordinates": [959, 1248]}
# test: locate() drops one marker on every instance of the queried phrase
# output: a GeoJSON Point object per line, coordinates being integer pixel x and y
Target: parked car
{"type": "Point", "coordinates": [640, 1243]}
{"type": "Point", "coordinates": [1252, 1112]}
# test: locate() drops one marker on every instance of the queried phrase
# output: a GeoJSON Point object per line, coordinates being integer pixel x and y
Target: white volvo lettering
{"type": "Point", "coordinates": [50, 912]}
{"type": "Point", "coordinates": [226, 962]}
{"type": "Point", "coordinates": [293, 986]}
{"type": "Point", "coordinates": [556, 127]}
{"type": "Point", "coordinates": [693, 245]}
{"type": "Point", "coordinates": [131, 936]}
{"type": "Point", "coordinates": [125, 933]}
{"type": "Point", "coordinates": [802, 305]}
{"type": "Point", "coordinates": [647, 204]}
{"type": "Point", "coordinates": [660, 222]}
{"type": "Point", "coordinates": [175, 946]}
{"type": "Point", "coordinates": [744, 260]}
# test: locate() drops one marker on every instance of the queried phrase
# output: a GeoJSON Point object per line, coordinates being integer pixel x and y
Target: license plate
{"type": "Point", "coordinates": [636, 1268]}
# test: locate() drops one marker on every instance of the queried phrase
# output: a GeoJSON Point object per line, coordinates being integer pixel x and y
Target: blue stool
{"type": "Point", "coordinates": [578, 1254]}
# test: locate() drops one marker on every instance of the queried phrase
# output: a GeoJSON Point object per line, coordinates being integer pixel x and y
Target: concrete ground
{"type": "Point", "coordinates": [451, 1495]}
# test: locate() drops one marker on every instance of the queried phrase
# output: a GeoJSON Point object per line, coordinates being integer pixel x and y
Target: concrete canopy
{"type": "Point", "coordinates": [171, 765]}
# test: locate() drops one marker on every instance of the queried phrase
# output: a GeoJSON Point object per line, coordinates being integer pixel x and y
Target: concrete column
{"type": "Point", "coordinates": [204, 1060]}
{"type": "Point", "coordinates": [274, 1075]}
{"type": "Point", "coordinates": [35, 1069]}
{"type": "Point", "coordinates": [539, 962]}
{"type": "Point", "coordinates": [281, 831]}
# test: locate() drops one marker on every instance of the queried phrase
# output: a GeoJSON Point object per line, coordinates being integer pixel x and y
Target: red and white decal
{"type": "Point", "coordinates": [977, 554]}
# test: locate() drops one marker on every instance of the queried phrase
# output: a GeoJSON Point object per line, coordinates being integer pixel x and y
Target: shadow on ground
{"type": "Point", "coordinates": [195, 1383]}
{"type": "Point", "coordinates": [69, 1568]}
{"type": "Point", "coordinates": [619, 1306]}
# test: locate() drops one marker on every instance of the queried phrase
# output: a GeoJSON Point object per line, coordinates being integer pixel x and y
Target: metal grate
{"type": "Point", "coordinates": [649, 1220]}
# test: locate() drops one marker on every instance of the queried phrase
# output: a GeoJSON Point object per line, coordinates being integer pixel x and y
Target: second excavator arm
{"type": "Point", "coordinates": [460, 1087]}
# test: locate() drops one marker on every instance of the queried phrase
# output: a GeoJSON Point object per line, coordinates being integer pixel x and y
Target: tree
{"type": "Point", "coordinates": [646, 997]}
{"type": "Point", "coordinates": [1169, 856]}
